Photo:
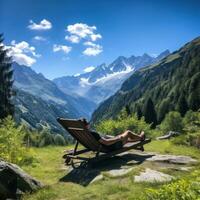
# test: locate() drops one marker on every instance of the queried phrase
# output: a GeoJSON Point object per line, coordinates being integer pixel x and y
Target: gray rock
{"type": "Point", "coordinates": [168, 135]}
{"type": "Point", "coordinates": [119, 172]}
{"type": "Point", "coordinates": [14, 181]}
{"type": "Point", "coordinates": [97, 178]}
{"type": "Point", "coordinates": [172, 159]}
{"type": "Point", "coordinates": [152, 176]}
{"type": "Point", "coordinates": [187, 169]}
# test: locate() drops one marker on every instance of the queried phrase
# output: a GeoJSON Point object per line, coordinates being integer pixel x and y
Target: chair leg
{"type": "Point", "coordinates": [76, 147]}
{"type": "Point", "coordinates": [142, 148]}
{"type": "Point", "coordinates": [97, 154]}
{"type": "Point", "coordinates": [68, 160]}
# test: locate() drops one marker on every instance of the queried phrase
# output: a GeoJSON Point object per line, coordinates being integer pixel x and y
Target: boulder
{"type": "Point", "coordinates": [14, 181]}
{"type": "Point", "coordinates": [119, 172]}
{"type": "Point", "coordinates": [152, 176]}
{"type": "Point", "coordinates": [97, 178]}
{"type": "Point", "coordinates": [168, 135]}
{"type": "Point", "coordinates": [172, 159]}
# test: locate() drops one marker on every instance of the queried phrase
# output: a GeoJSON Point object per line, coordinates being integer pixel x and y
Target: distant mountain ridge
{"type": "Point", "coordinates": [34, 92]}
{"type": "Point", "coordinates": [36, 113]}
{"type": "Point", "coordinates": [170, 83]}
{"type": "Point", "coordinates": [103, 81]}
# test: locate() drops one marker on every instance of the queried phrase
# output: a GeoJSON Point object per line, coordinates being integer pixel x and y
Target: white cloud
{"type": "Point", "coordinates": [23, 59]}
{"type": "Point", "coordinates": [88, 43]}
{"type": "Point", "coordinates": [39, 38]}
{"type": "Point", "coordinates": [64, 48]}
{"type": "Point", "coordinates": [89, 69]}
{"type": "Point", "coordinates": [81, 30]}
{"type": "Point", "coordinates": [73, 38]}
{"type": "Point", "coordinates": [93, 50]}
{"type": "Point", "coordinates": [94, 37]}
{"type": "Point", "coordinates": [22, 53]}
{"type": "Point", "coordinates": [43, 25]}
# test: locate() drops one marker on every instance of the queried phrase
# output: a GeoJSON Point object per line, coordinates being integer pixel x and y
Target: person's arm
{"type": "Point", "coordinates": [109, 141]}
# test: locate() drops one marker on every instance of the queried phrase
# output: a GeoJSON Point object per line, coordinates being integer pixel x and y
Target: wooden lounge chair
{"type": "Point", "coordinates": [78, 131]}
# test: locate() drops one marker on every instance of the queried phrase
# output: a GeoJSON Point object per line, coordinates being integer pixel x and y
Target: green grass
{"type": "Point", "coordinates": [48, 165]}
{"type": "Point", "coordinates": [49, 168]}
{"type": "Point", "coordinates": [166, 147]}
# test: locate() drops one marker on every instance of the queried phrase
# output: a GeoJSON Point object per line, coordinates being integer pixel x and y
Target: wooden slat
{"type": "Point", "coordinates": [78, 129]}
{"type": "Point", "coordinates": [72, 123]}
{"type": "Point", "coordinates": [87, 138]}
{"type": "Point", "coordinates": [83, 140]}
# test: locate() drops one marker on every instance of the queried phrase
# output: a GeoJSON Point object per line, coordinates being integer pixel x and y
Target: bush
{"type": "Point", "coordinates": [12, 148]}
{"type": "Point", "coordinates": [179, 190]}
{"type": "Point", "coordinates": [115, 127]}
{"type": "Point", "coordinates": [172, 122]}
{"type": "Point", "coordinates": [43, 138]}
{"type": "Point", "coordinates": [191, 118]}
{"type": "Point", "coordinates": [192, 128]}
{"type": "Point", "coordinates": [194, 139]}
{"type": "Point", "coordinates": [46, 138]}
{"type": "Point", "coordinates": [59, 140]}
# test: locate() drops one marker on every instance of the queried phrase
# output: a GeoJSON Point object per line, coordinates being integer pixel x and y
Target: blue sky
{"type": "Point", "coordinates": [64, 37]}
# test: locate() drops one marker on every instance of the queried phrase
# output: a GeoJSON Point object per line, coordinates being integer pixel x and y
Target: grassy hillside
{"type": "Point", "coordinates": [172, 84]}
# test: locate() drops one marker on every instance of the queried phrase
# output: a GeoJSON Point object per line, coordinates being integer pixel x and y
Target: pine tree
{"type": "Point", "coordinates": [182, 106]}
{"type": "Point", "coordinates": [163, 109]}
{"type": "Point", "coordinates": [128, 110]}
{"type": "Point", "coordinates": [194, 100]}
{"type": "Point", "coordinates": [139, 113]}
{"type": "Point", "coordinates": [150, 113]}
{"type": "Point", "coordinates": [194, 92]}
{"type": "Point", "coordinates": [6, 82]}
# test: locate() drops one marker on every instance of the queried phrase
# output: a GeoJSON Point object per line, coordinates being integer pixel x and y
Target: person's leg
{"type": "Point", "coordinates": [135, 137]}
{"type": "Point", "coordinates": [129, 136]}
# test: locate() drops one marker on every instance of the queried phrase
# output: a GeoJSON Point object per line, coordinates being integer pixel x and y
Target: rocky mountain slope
{"type": "Point", "coordinates": [37, 113]}
{"type": "Point", "coordinates": [169, 83]}
{"type": "Point", "coordinates": [39, 101]}
{"type": "Point", "coordinates": [103, 81]}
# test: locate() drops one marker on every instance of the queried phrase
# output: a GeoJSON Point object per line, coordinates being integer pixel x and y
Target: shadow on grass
{"type": "Point", "coordinates": [84, 174]}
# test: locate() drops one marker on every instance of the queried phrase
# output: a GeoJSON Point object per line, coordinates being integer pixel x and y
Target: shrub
{"type": "Point", "coordinates": [179, 190]}
{"type": "Point", "coordinates": [46, 138]}
{"type": "Point", "coordinates": [194, 139]}
{"type": "Point", "coordinates": [115, 127]}
{"type": "Point", "coordinates": [12, 148]}
{"type": "Point", "coordinates": [191, 118]}
{"type": "Point", "coordinates": [43, 138]}
{"type": "Point", "coordinates": [172, 122]}
{"type": "Point", "coordinates": [192, 128]}
{"type": "Point", "coordinates": [59, 140]}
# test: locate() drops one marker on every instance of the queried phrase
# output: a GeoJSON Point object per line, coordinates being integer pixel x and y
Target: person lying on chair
{"type": "Point", "coordinates": [117, 142]}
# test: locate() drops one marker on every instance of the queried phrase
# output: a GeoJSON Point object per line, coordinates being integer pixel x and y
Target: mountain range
{"type": "Point", "coordinates": [173, 83]}
{"type": "Point", "coordinates": [102, 82]}
{"type": "Point", "coordinates": [40, 101]}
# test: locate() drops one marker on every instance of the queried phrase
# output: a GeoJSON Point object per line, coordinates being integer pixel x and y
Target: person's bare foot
{"type": "Point", "coordinates": [142, 136]}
